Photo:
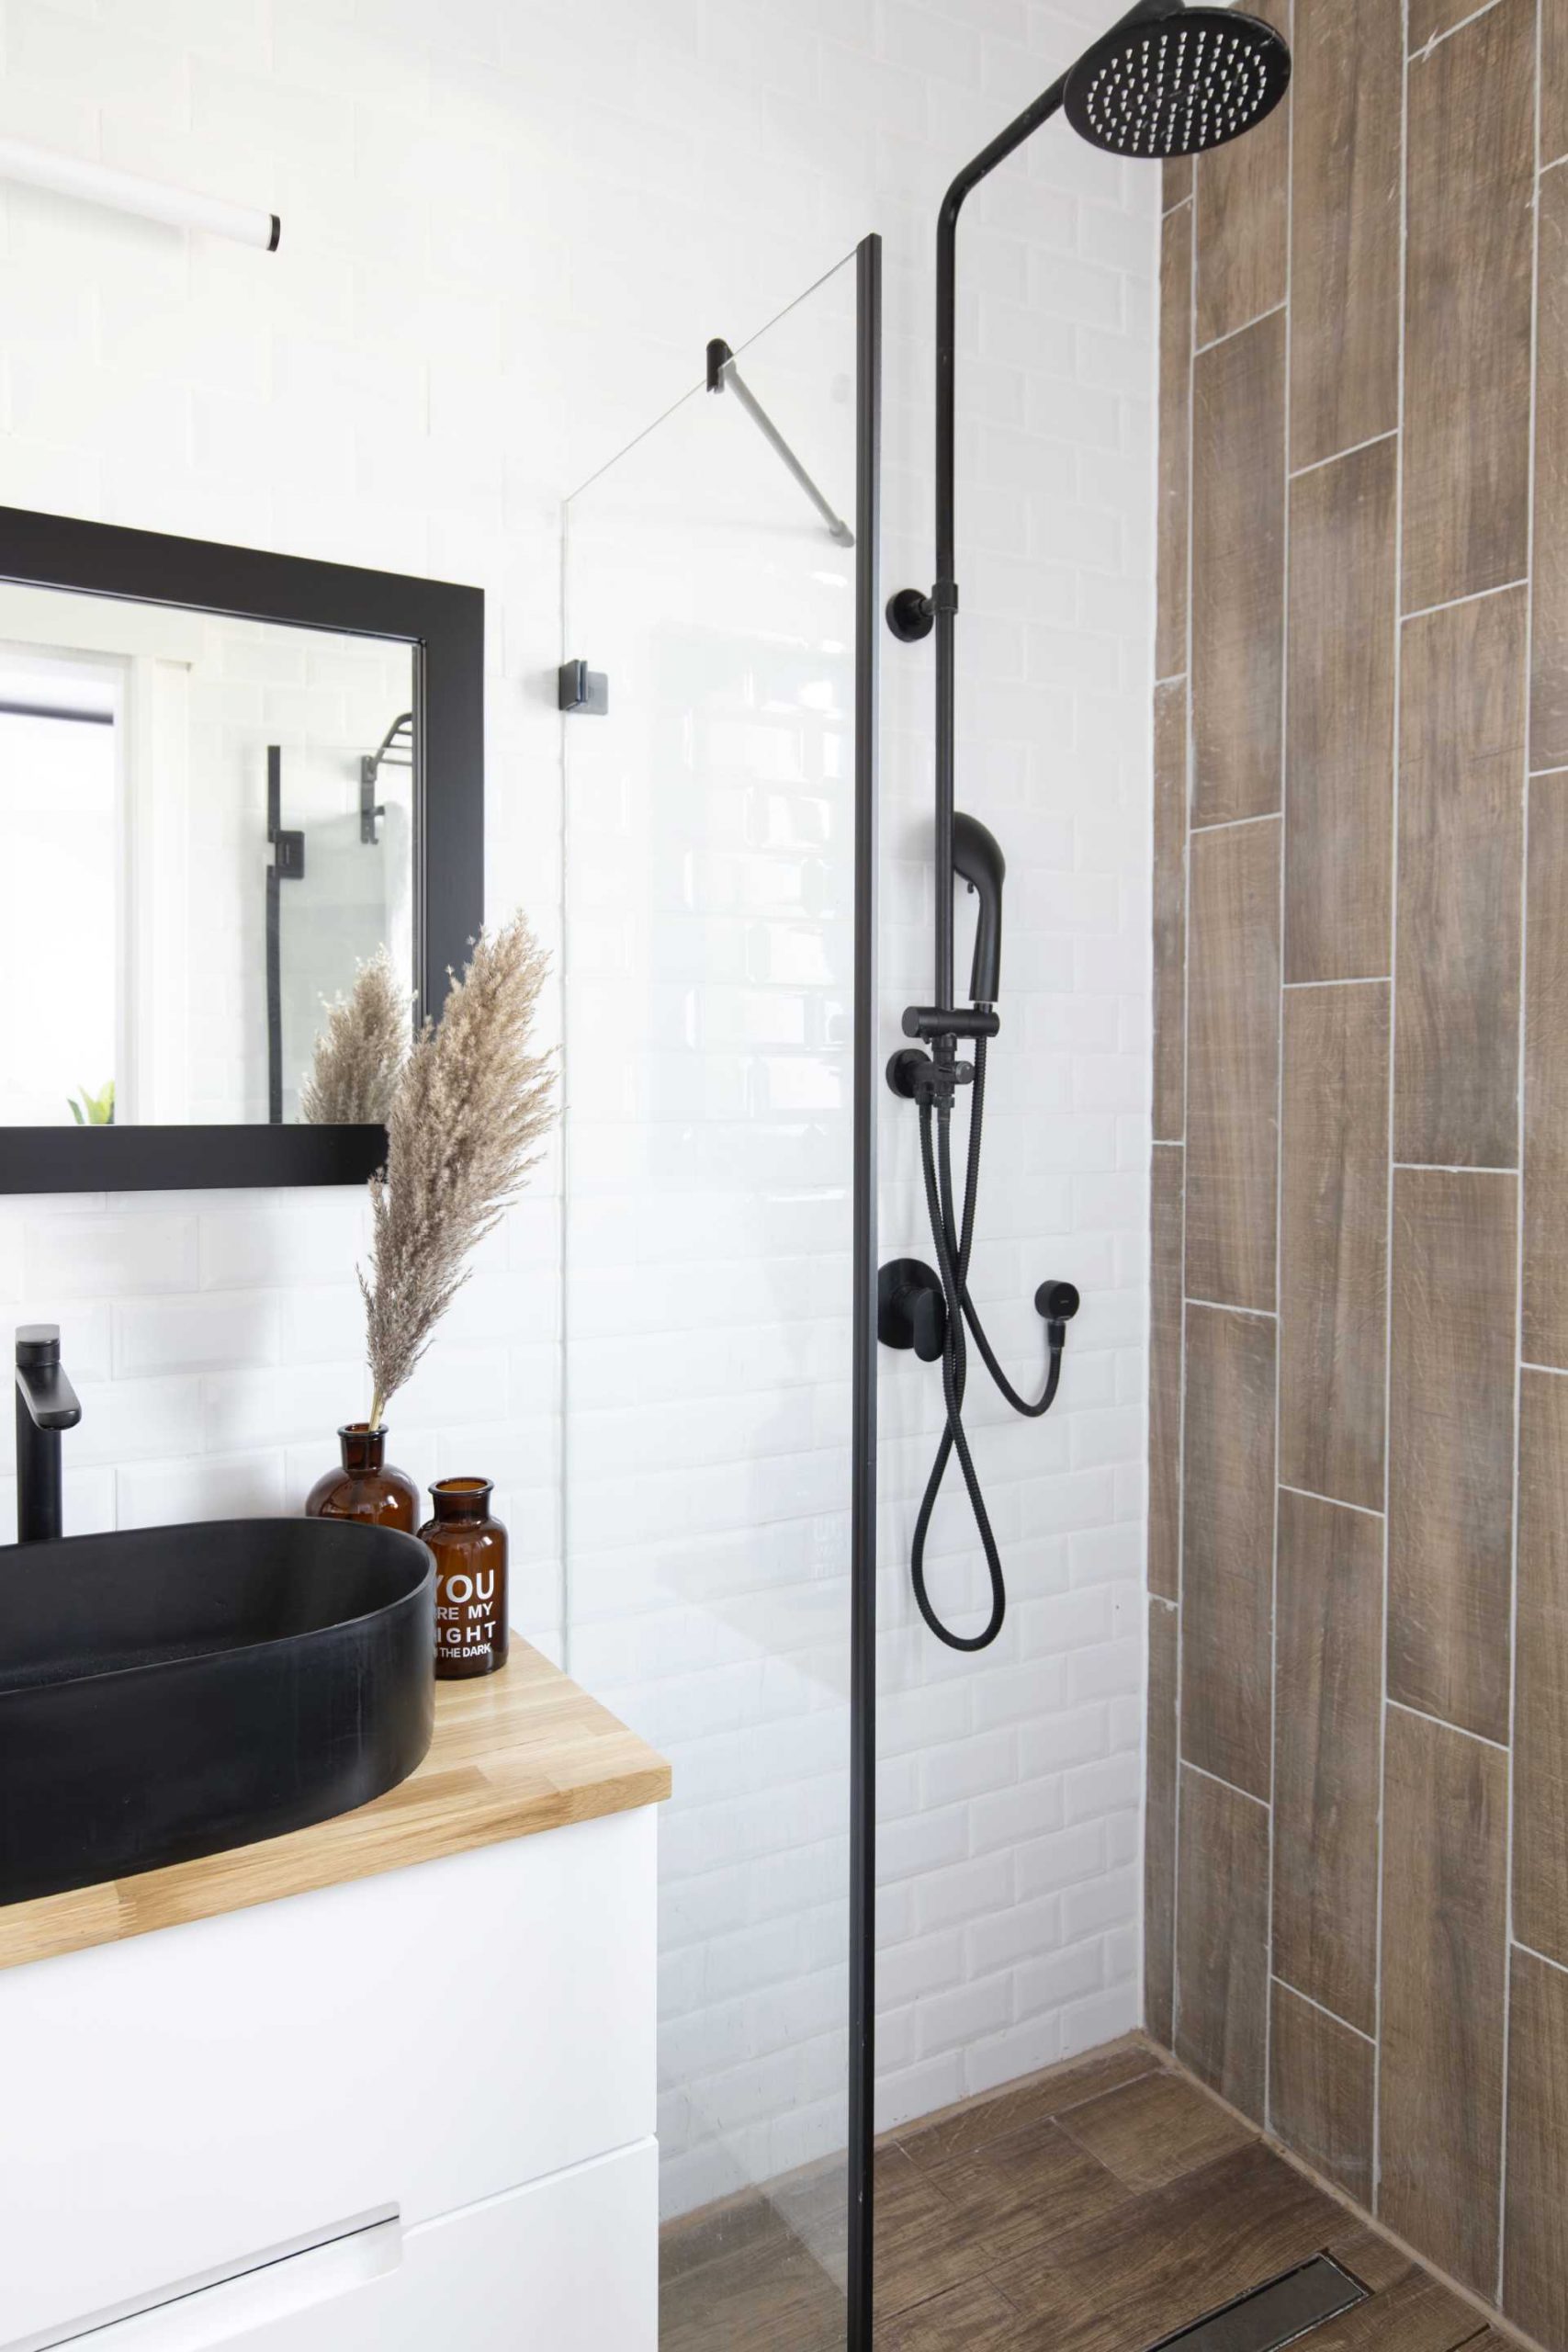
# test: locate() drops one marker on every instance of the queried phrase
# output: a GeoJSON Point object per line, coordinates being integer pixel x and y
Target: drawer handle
{"type": "Point", "coordinates": [278, 2287]}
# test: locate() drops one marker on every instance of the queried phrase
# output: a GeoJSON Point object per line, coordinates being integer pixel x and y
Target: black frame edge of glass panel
{"type": "Point", "coordinates": [860, 2281]}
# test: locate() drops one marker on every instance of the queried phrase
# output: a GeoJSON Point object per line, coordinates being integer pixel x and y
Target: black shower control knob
{"type": "Point", "coordinates": [910, 1309]}
{"type": "Point", "coordinates": [927, 1320]}
{"type": "Point", "coordinates": [905, 1070]}
{"type": "Point", "coordinates": [1057, 1301]}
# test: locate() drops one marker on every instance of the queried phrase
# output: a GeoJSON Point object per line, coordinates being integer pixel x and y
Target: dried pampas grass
{"type": "Point", "coordinates": [470, 1104]}
{"type": "Point", "coordinates": [360, 1053]}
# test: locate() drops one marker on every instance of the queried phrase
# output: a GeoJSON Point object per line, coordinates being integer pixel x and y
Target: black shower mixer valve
{"type": "Point", "coordinates": [917, 1077]}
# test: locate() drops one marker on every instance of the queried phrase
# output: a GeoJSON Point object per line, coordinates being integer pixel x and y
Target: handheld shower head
{"type": "Point", "coordinates": [1177, 81]}
{"type": "Point", "coordinates": [977, 860]}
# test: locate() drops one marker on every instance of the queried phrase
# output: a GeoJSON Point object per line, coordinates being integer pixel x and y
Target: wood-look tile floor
{"type": "Point", "coordinates": [1093, 2208]}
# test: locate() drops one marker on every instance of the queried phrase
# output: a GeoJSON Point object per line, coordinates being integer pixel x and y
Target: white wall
{"type": "Point", "coordinates": [509, 231]}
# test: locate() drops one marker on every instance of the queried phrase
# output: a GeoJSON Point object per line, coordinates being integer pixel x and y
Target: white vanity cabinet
{"type": "Point", "coordinates": [413, 2109]}
{"type": "Point", "coordinates": [567, 2262]}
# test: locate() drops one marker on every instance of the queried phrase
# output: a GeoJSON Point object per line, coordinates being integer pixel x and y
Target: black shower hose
{"type": "Point", "coordinates": [953, 1242]}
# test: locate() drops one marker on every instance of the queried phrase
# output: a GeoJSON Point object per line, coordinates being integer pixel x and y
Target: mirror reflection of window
{"type": "Point", "coordinates": [58, 912]}
{"type": "Point", "coordinates": [207, 824]}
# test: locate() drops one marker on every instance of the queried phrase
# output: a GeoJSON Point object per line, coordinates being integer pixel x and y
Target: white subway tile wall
{"type": "Point", "coordinates": [509, 231]}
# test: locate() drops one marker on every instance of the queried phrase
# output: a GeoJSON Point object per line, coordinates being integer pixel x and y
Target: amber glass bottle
{"type": "Point", "coordinates": [471, 1632]}
{"type": "Point", "coordinates": [365, 1487]}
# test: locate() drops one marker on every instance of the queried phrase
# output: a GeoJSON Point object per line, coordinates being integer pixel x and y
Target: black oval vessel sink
{"type": "Point", "coordinates": [174, 1692]}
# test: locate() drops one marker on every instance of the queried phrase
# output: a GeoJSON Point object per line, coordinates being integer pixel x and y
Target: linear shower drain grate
{"type": "Point", "coordinates": [1281, 2312]}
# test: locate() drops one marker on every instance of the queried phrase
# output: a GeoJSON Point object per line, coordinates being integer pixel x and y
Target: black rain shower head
{"type": "Point", "coordinates": [1177, 82]}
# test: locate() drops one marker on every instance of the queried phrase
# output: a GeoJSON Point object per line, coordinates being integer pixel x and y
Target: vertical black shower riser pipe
{"type": "Point", "coordinates": [944, 595]}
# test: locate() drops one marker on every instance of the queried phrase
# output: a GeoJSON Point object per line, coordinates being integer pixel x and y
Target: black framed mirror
{"type": "Point", "coordinates": [226, 778]}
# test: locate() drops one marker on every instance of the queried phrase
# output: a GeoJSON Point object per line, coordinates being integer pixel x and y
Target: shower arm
{"type": "Point", "coordinates": [911, 614]}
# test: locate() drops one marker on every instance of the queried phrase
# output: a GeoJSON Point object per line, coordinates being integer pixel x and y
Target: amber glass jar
{"type": "Point", "coordinates": [365, 1487]}
{"type": "Point", "coordinates": [469, 1547]}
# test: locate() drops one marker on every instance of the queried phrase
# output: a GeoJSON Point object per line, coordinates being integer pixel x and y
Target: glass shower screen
{"type": "Point", "coordinates": [719, 1298]}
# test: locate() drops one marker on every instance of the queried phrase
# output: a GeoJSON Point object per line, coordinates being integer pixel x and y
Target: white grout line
{"type": "Point", "coordinates": [1189, 772]}
{"type": "Point", "coordinates": [1335, 457]}
{"type": "Point", "coordinates": [1146, 1780]}
{"type": "Point", "coordinates": [1280, 1113]}
{"type": "Point", "coordinates": [1442, 1724]}
{"type": "Point", "coordinates": [1230, 334]}
{"type": "Point", "coordinates": [1372, 980]}
{"type": "Point", "coordinates": [1544, 1957]}
{"type": "Point", "coordinates": [1445, 1167]}
{"type": "Point", "coordinates": [1311, 1494]}
{"type": "Point", "coordinates": [1376, 2187]}
{"type": "Point", "coordinates": [1519, 1202]}
{"type": "Point", "coordinates": [1221, 1782]}
{"type": "Point", "coordinates": [1419, 57]}
{"type": "Point", "coordinates": [1452, 603]}
{"type": "Point", "coordinates": [1231, 824]}
{"type": "Point", "coordinates": [1323, 2010]}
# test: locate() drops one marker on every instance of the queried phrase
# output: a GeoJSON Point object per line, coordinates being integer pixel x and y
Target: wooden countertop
{"type": "Point", "coordinates": [515, 1753]}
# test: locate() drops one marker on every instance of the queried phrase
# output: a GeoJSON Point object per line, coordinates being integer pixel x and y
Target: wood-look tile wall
{"type": "Point", "coordinates": [1358, 1864]}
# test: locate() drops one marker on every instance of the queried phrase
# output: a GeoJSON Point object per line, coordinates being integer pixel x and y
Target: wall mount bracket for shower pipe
{"type": "Point", "coordinates": [911, 615]}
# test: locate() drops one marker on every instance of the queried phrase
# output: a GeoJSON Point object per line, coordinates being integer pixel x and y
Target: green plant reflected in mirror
{"type": "Point", "coordinates": [94, 1110]}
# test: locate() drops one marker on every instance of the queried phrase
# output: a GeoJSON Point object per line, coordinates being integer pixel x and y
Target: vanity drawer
{"type": "Point", "coordinates": [177, 2105]}
{"type": "Point", "coordinates": [569, 2265]}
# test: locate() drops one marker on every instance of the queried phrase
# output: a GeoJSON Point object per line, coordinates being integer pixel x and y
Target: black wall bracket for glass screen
{"type": "Point", "coordinates": [582, 691]}
{"type": "Point", "coordinates": [443, 624]}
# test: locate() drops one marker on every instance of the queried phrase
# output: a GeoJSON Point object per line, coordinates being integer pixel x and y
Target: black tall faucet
{"type": "Point", "coordinates": [46, 1403]}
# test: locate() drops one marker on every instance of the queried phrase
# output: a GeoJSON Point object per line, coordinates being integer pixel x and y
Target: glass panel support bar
{"type": "Point", "coordinates": [724, 376]}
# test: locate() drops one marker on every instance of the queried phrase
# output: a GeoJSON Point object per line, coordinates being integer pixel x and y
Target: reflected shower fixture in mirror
{"type": "Point", "coordinates": [1166, 81]}
{"type": "Point", "coordinates": [396, 749]}
{"type": "Point", "coordinates": [228, 779]}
